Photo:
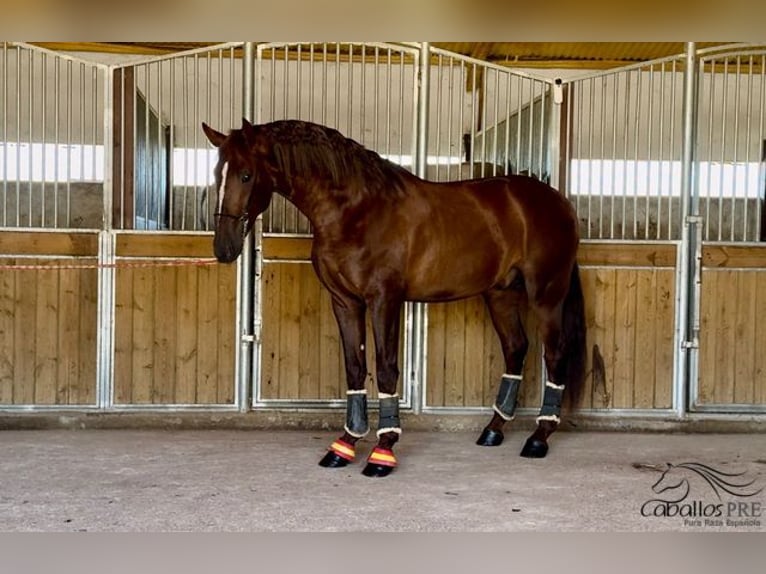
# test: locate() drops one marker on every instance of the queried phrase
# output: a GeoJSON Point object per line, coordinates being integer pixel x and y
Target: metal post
{"type": "Point", "coordinates": [688, 268]}
{"type": "Point", "coordinates": [106, 257]}
{"type": "Point", "coordinates": [245, 320]}
{"type": "Point", "coordinates": [418, 311]}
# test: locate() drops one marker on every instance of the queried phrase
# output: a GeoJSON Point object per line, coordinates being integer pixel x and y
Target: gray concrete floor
{"type": "Point", "coordinates": [257, 480]}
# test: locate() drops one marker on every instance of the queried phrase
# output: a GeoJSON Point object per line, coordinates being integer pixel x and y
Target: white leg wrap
{"type": "Point", "coordinates": [555, 386]}
{"type": "Point", "coordinates": [502, 415]}
{"type": "Point", "coordinates": [553, 418]}
{"type": "Point", "coordinates": [355, 434]}
{"type": "Point", "coordinates": [397, 430]}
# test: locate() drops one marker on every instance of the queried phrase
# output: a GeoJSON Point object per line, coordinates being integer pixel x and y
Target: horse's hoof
{"type": "Point", "coordinates": [534, 448]}
{"type": "Point", "coordinates": [377, 470]}
{"type": "Point", "coordinates": [333, 460]}
{"type": "Point", "coordinates": [490, 438]}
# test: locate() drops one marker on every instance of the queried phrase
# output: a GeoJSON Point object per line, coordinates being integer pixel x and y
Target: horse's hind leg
{"type": "Point", "coordinates": [349, 314]}
{"type": "Point", "coordinates": [548, 420]}
{"type": "Point", "coordinates": [385, 312]}
{"type": "Point", "coordinates": [503, 306]}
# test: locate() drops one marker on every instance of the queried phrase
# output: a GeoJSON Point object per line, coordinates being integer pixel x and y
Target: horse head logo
{"type": "Point", "coordinates": [675, 481]}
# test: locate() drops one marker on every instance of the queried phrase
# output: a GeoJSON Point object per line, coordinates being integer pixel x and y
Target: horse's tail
{"type": "Point", "coordinates": [572, 345]}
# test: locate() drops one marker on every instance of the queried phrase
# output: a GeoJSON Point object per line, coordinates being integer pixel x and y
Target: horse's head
{"type": "Point", "coordinates": [244, 185]}
{"type": "Point", "coordinates": [670, 480]}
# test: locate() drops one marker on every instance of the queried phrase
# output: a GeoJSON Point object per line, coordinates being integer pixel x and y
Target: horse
{"type": "Point", "coordinates": [383, 236]}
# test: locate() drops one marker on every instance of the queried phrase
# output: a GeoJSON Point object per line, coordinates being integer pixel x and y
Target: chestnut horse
{"type": "Point", "coordinates": [383, 236]}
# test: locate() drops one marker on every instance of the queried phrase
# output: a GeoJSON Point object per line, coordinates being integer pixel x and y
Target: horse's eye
{"type": "Point", "coordinates": [245, 176]}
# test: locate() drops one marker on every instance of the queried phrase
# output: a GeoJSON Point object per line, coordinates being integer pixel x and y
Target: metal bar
{"type": "Point", "coordinates": [735, 159]}
{"type": "Point", "coordinates": [613, 193]}
{"type": "Point", "coordinates": [69, 144]}
{"type": "Point", "coordinates": [589, 179]}
{"type": "Point", "coordinates": [709, 188]}
{"type": "Point", "coordinates": [748, 135]}
{"type": "Point", "coordinates": [661, 155]}
{"type": "Point", "coordinates": [507, 166]}
{"type": "Point", "coordinates": [672, 139]}
{"type": "Point", "coordinates": [762, 152]}
{"type": "Point", "coordinates": [417, 362]}
{"type": "Point", "coordinates": [247, 380]}
{"type": "Point", "coordinates": [649, 124]}
{"type": "Point", "coordinates": [5, 133]}
{"type": "Point", "coordinates": [688, 301]}
{"type": "Point", "coordinates": [724, 102]}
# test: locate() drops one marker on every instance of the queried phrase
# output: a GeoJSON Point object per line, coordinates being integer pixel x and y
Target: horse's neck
{"type": "Point", "coordinates": [311, 200]}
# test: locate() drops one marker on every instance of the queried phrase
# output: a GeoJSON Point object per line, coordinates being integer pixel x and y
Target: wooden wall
{"type": "Point", "coordinates": [48, 319]}
{"type": "Point", "coordinates": [630, 312]}
{"type": "Point", "coordinates": [174, 325]}
{"type": "Point", "coordinates": [732, 367]}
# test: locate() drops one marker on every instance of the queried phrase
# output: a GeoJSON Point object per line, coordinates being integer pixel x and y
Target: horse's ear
{"type": "Point", "coordinates": [248, 130]}
{"type": "Point", "coordinates": [216, 138]}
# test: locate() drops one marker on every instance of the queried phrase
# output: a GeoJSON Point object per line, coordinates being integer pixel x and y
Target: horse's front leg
{"type": "Point", "coordinates": [386, 311]}
{"type": "Point", "coordinates": [349, 314]}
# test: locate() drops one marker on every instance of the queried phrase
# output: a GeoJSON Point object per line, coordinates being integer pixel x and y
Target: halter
{"type": "Point", "coordinates": [242, 217]}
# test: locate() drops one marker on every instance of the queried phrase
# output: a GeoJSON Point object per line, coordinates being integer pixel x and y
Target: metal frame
{"type": "Point", "coordinates": [412, 361]}
{"type": "Point", "coordinates": [248, 324]}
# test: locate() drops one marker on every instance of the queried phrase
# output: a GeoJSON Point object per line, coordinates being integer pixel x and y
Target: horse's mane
{"type": "Point", "coordinates": [302, 148]}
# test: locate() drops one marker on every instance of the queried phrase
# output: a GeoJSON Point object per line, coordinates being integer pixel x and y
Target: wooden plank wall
{"type": "Point", "coordinates": [48, 319]}
{"type": "Point", "coordinates": [630, 312]}
{"type": "Point", "coordinates": [301, 353]}
{"type": "Point", "coordinates": [629, 300]}
{"type": "Point", "coordinates": [174, 325]}
{"type": "Point", "coordinates": [732, 368]}
{"type": "Point", "coordinates": [630, 293]}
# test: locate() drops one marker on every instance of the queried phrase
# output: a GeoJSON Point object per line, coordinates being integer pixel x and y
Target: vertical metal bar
{"type": "Point", "coordinates": [624, 223]}
{"type": "Point", "coordinates": [324, 83]}
{"type": "Point", "coordinates": [724, 102]}
{"type": "Point", "coordinates": [601, 155]}
{"type": "Point", "coordinates": [56, 119]}
{"type": "Point", "coordinates": [311, 81]}
{"type": "Point", "coordinates": [419, 310]}
{"type": "Point", "coordinates": [495, 123]}
{"type": "Point", "coordinates": [541, 135]}
{"type": "Point", "coordinates": [636, 141]}
{"type": "Point", "coordinates": [389, 82]}
{"type": "Point", "coordinates": [613, 192]}
{"type": "Point", "coordinates": [31, 131]}
{"type": "Point", "coordinates": [401, 111]}
{"type": "Point", "coordinates": [172, 113]}
{"type": "Point", "coordinates": [687, 328]}
{"type": "Point", "coordinates": [18, 137]}
{"type": "Point", "coordinates": [5, 132]}
{"type": "Point", "coordinates": [761, 152]}
{"type": "Point", "coordinates": [106, 258]}
{"type": "Point", "coordinates": [672, 140]}
{"type": "Point", "coordinates": [748, 135]}
{"type": "Point", "coordinates": [735, 159]}
{"type": "Point", "coordinates": [69, 144]}
{"type": "Point", "coordinates": [43, 133]}
{"type": "Point", "coordinates": [578, 152]}
{"type": "Point", "coordinates": [649, 123]}
{"type": "Point", "coordinates": [554, 132]}
{"type": "Point", "coordinates": [248, 371]}
{"type": "Point", "coordinates": [661, 155]}
{"type": "Point", "coordinates": [591, 127]}
{"type": "Point", "coordinates": [507, 155]}
{"type": "Point", "coordinates": [709, 188]}
{"type": "Point", "coordinates": [149, 176]}
{"type": "Point", "coordinates": [439, 91]}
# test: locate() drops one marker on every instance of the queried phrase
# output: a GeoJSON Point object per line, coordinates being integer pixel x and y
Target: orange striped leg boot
{"type": "Point", "coordinates": [341, 452]}
{"type": "Point", "coordinates": [382, 461]}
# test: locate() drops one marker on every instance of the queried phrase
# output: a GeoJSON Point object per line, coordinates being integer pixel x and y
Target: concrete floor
{"type": "Point", "coordinates": [257, 480]}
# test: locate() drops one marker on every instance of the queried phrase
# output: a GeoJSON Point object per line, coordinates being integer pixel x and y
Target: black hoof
{"type": "Point", "coordinates": [534, 448]}
{"type": "Point", "coordinates": [377, 470]}
{"type": "Point", "coordinates": [332, 460]}
{"type": "Point", "coordinates": [490, 438]}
